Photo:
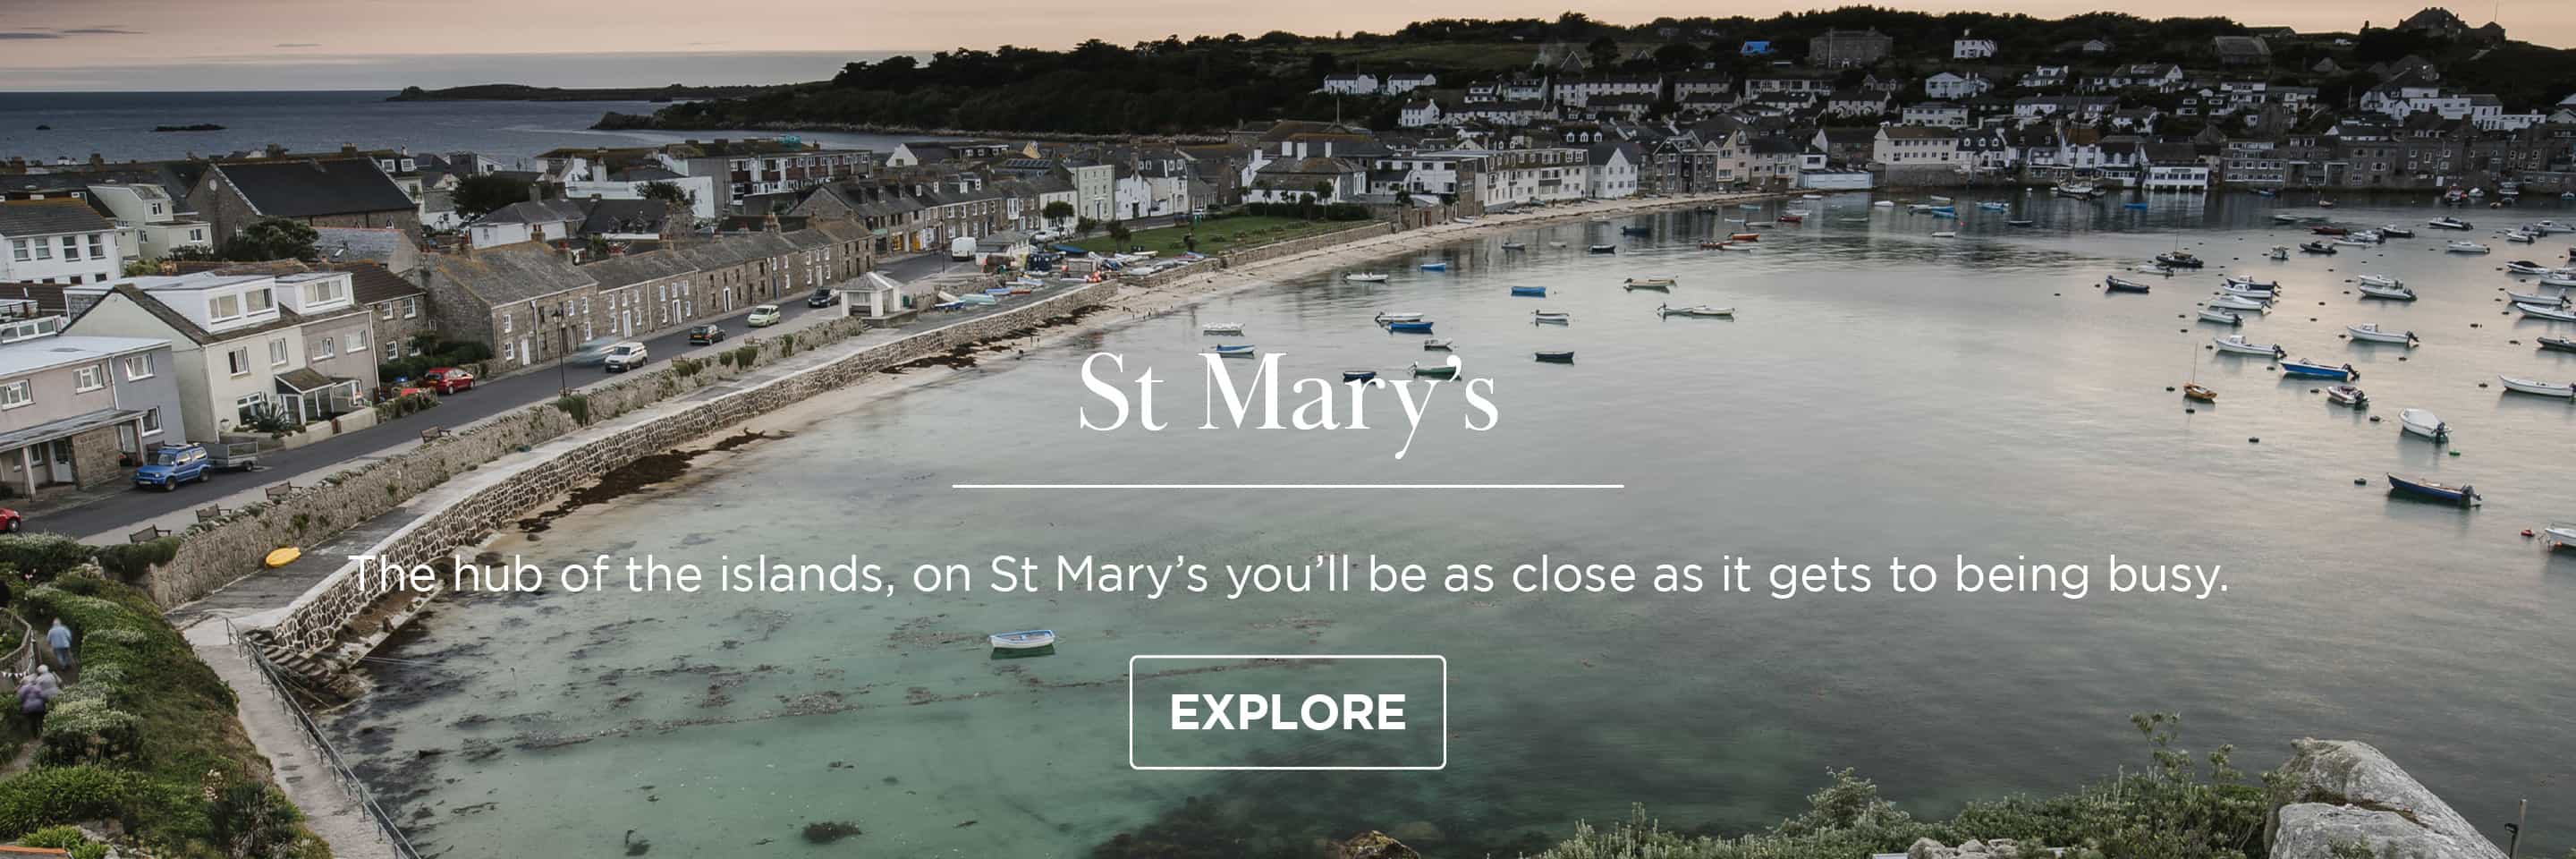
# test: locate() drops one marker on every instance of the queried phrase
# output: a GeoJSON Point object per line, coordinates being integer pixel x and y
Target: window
{"type": "Point", "coordinates": [15, 394]}
{"type": "Point", "coordinates": [411, 307]}
{"type": "Point", "coordinates": [152, 421]}
{"type": "Point", "coordinates": [260, 300]}
{"type": "Point", "coordinates": [277, 351]}
{"type": "Point", "coordinates": [197, 235]}
{"type": "Point", "coordinates": [393, 351]}
{"type": "Point", "coordinates": [18, 250]}
{"type": "Point", "coordinates": [44, 249]}
{"type": "Point", "coordinates": [71, 247]}
{"type": "Point", "coordinates": [138, 367]}
{"type": "Point", "coordinates": [156, 208]}
{"type": "Point", "coordinates": [224, 307]}
{"type": "Point", "coordinates": [385, 312]}
{"type": "Point", "coordinates": [90, 378]}
{"type": "Point", "coordinates": [97, 246]}
{"type": "Point", "coordinates": [505, 323]}
{"type": "Point", "coordinates": [250, 406]}
{"type": "Point", "coordinates": [358, 341]}
{"type": "Point", "coordinates": [323, 290]}
{"type": "Point", "coordinates": [238, 361]}
{"type": "Point", "coordinates": [509, 351]}
{"type": "Point", "coordinates": [323, 349]}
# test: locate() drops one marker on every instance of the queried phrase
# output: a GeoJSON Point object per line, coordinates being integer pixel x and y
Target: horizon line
{"type": "Point", "coordinates": [1258, 486]}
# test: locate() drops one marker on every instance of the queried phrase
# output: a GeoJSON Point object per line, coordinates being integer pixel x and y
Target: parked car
{"type": "Point", "coordinates": [706, 335]}
{"type": "Point", "coordinates": [624, 356]}
{"type": "Point", "coordinates": [823, 297]}
{"type": "Point", "coordinates": [762, 316]}
{"type": "Point", "coordinates": [175, 464]}
{"type": "Point", "coordinates": [9, 520]}
{"type": "Point", "coordinates": [448, 380]}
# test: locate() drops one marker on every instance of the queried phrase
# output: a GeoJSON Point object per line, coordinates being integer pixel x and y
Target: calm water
{"type": "Point", "coordinates": [118, 125]}
{"type": "Point", "coordinates": [1882, 392]}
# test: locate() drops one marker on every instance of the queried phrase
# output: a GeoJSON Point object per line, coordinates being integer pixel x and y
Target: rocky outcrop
{"type": "Point", "coordinates": [1371, 845]}
{"type": "Point", "coordinates": [2345, 793]}
{"type": "Point", "coordinates": [2000, 848]}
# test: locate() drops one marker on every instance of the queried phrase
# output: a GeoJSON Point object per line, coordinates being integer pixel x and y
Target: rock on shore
{"type": "Point", "coordinates": [2349, 793]}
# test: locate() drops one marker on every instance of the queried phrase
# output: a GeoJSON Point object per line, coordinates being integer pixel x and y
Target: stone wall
{"type": "Point", "coordinates": [1298, 246]}
{"type": "Point", "coordinates": [313, 623]}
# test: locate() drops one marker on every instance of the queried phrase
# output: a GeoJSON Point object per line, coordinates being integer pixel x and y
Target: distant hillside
{"type": "Point", "coordinates": [523, 92]}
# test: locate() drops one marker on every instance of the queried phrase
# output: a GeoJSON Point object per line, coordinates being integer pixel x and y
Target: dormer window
{"type": "Point", "coordinates": [260, 300]}
{"type": "Point", "coordinates": [224, 308]}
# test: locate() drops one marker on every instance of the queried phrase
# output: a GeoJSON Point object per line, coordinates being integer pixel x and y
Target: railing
{"type": "Point", "coordinates": [284, 687]}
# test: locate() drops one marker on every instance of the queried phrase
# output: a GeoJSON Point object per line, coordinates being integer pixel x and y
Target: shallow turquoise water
{"type": "Point", "coordinates": [1881, 393]}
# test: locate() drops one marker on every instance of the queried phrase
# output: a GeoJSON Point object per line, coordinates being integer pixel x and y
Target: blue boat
{"type": "Point", "coordinates": [1636, 231]}
{"type": "Point", "coordinates": [1435, 266]}
{"type": "Point", "coordinates": [2266, 192]}
{"type": "Point", "coordinates": [1995, 207]}
{"type": "Point", "coordinates": [1408, 327]}
{"type": "Point", "coordinates": [2133, 205]}
{"type": "Point", "coordinates": [2462, 495]}
{"type": "Point", "coordinates": [1945, 213]}
{"type": "Point", "coordinates": [1529, 292]}
{"type": "Point", "coordinates": [1566, 357]}
{"type": "Point", "coordinates": [1244, 349]}
{"type": "Point", "coordinates": [2314, 370]}
{"type": "Point", "coordinates": [1358, 375]}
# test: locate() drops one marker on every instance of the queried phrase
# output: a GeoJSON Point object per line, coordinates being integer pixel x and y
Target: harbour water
{"type": "Point", "coordinates": [1880, 393]}
{"type": "Point", "coordinates": [118, 125]}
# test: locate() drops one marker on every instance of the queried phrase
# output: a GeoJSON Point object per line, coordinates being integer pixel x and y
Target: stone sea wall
{"type": "Point", "coordinates": [315, 621]}
{"type": "Point", "coordinates": [1309, 243]}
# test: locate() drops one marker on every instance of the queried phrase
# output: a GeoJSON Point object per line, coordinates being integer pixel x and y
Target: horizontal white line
{"type": "Point", "coordinates": [1287, 486]}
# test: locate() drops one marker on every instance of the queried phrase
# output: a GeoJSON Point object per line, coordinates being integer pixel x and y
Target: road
{"type": "Point", "coordinates": [123, 510]}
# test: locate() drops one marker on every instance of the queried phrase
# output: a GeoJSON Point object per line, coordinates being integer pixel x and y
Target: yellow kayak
{"type": "Point", "coordinates": [284, 556]}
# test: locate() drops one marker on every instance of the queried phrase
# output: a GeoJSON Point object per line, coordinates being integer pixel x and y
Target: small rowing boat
{"type": "Point", "coordinates": [2198, 391]}
{"type": "Point", "coordinates": [2557, 344]}
{"type": "Point", "coordinates": [2424, 423]}
{"type": "Point", "coordinates": [1384, 318]}
{"type": "Point", "coordinates": [2347, 395]}
{"type": "Point", "coordinates": [2222, 317]}
{"type": "Point", "coordinates": [1437, 344]}
{"type": "Point", "coordinates": [1551, 317]}
{"type": "Point", "coordinates": [1659, 284]}
{"type": "Point", "coordinates": [1027, 639]}
{"type": "Point", "coordinates": [2178, 259]}
{"type": "Point", "coordinates": [2314, 370]}
{"type": "Point", "coordinates": [2116, 283]}
{"type": "Point", "coordinates": [1695, 310]}
{"type": "Point", "coordinates": [2535, 299]}
{"type": "Point", "coordinates": [2393, 231]}
{"type": "Point", "coordinates": [2524, 266]}
{"type": "Point", "coordinates": [2461, 495]}
{"type": "Point", "coordinates": [1437, 371]}
{"type": "Point", "coordinates": [1744, 237]}
{"type": "Point", "coordinates": [1412, 327]}
{"type": "Point", "coordinates": [2236, 343]}
{"type": "Point", "coordinates": [1435, 266]}
{"type": "Point", "coordinates": [1358, 375]}
{"type": "Point", "coordinates": [2537, 387]}
{"type": "Point", "coordinates": [1515, 246]}
{"type": "Point", "coordinates": [2466, 248]}
{"type": "Point", "coordinates": [2238, 302]}
{"type": "Point", "coordinates": [2258, 293]}
{"type": "Point", "coordinates": [1604, 249]}
{"type": "Point", "coordinates": [2379, 280]}
{"type": "Point", "coordinates": [1566, 357]}
{"type": "Point", "coordinates": [1529, 292]}
{"type": "Point", "coordinates": [2278, 252]}
{"type": "Point", "coordinates": [1221, 328]}
{"type": "Point", "coordinates": [2448, 223]}
{"type": "Point", "coordinates": [2317, 248]}
{"type": "Point", "coordinates": [1365, 277]}
{"type": "Point", "coordinates": [1237, 350]}
{"type": "Point", "coordinates": [2369, 332]}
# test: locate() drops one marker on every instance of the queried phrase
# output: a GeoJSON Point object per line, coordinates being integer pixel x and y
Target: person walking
{"type": "Point", "coordinates": [51, 682]}
{"type": "Point", "coordinates": [31, 705]}
{"type": "Point", "coordinates": [60, 639]}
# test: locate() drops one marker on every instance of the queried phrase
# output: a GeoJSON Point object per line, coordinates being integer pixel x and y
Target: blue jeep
{"type": "Point", "coordinates": [172, 465]}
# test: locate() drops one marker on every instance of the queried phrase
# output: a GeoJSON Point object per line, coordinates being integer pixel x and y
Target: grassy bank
{"type": "Point", "coordinates": [145, 736]}
{"type": "Point", "coordinates": [1214, 235]}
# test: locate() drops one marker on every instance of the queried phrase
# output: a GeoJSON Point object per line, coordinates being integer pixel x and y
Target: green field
{"type": "Point", "coordinates": [1473, 56]}
{"type": "Point", "coordinates": [1214, 235]}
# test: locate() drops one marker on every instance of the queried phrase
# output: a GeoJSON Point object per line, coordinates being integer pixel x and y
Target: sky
{"type": "Point", "coordinates": [383, 44]}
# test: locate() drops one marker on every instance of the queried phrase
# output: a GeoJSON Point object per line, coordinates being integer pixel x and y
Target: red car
{"type": "Point", "coordinates": [9, 520]}
{"type": "Point", "coordinates": [448, 380]}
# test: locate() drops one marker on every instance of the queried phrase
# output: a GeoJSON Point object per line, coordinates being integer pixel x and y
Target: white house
{"type": "Point", "coordinates": [246, 345]}
{"type": "Point", "coordinates": [1915, 146]}
{"type": "Point", "coordinates": [631, 184]}
{"type": "Point", "coordinates": [1940, 113]}
{"type": "Point", "coordinates": [1614, 170]}
{"type": "Point", "coordinates": [526, 221]}
{"type": "Point", "coordinates": [58, 240]}
{"type": "Point", "coordinates": [1405, 82]}
{"type": "Point", "coordinates": [1419, 113]}
{"type": "Point", "coordinates": [1579, 91]}
{"type": "Point", "coordinates": [1954, 86]}
{"type": "Point", "coordinates": [1964, 48]}
{"type": "Point", "coordinates": [2046, 77]}
{"type": "Point", "coordinates": [150, 221]}
{"type": "Point", "coordinates": [1352, 83]}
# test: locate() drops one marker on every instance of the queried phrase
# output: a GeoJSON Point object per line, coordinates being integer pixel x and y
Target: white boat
{"type": "Point", "coordinates": [2424, 423]}
{"type": "Point", "coordinates": [1365, 277]}
{"type": "Point", "coordinates": [2520, 236]}
{"type": "Point", "coordinates": [2391, 293]}
{"type": "Point", "coordinates": [2547, 227]}
{"type": "Point", "coordinates": [1650, 283]}
{"type": "Point", "coordinates": [2559, 300]}
{"type": "Point", "coordinates": [1030, 639]}
{"type": "Point", "coordinates": [1884, 204]}
{"type": "Point", "coordinates": [2347, 395]}
{"type": "Point", "coordinates": [2259, 293]}
{"type": "Point", "coordinates": [2559, 534]}
{"type": "Point", "coordinates": [2242, 280]}
{"type": "Point", "coordinates": [1939, 199]}
{"type": "Point", "coordinates": [2222, 317]}
{"type": "Point", "coordinates": [1221, 328]}
{"type": "Point", "coordinates": [2458, 247]}
{"type": "Point", "coordinates": [1811, 196]}
{"type": "Point", "coordinates": [1437, 344]}
{"type": "Point", "coordinates": [1399, 317]}
{"type": "Point", "coordinates": [1694, 310]}
{"type": "Point", "coordinates": [2369, 332]}
{"type": "Point", "coordinates": [2379, 280]}
{"type": "Point", "coordinates": [2535, 386]}
{"type": "Point", "coordinates": [1515, 246]}
{"type": "Point", "coordinates": [2353, 242]}
{"type": "Point", "coordinates": [2553, 314]}
{"type": "Point", "coordinates": [2278, 252]}
{"type": "Point", "coordinates": [2236, 343]}
{"type": "Point", "coordinates": [2238, 302]}
{"type": "Point", "coordinates": [2561, 277]}
{"type": "Point", "coordinates": [2152, 268]}
{"type": "Point", "coordinates": [2524, 266]}
{"type": "Point", "coordinates": [1945, 234]}
{"type": "Point", "coordinates": [2449, 223]}
{"type": "Point", "coordinates": [2284, 218]}
{"type": "Point", "coordinates": [2366, 236]}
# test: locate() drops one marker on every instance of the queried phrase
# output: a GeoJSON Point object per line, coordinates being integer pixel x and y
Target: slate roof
{"type": "Point", "coordinates": [533, 212]}
{"type": "Point", "coordinates": [351, 244]}
{"type": "Point", "coordinates": [50, 216]}
{"type": "Point", "coordinates": [307, 188]}
{"type": "Point", "coordinates": [286, 317]}
{"type": "Point", "coordinates": [47, 296]}
{"type": "Point", "coordinates": [625, 216]}
{"type": "Point", "coordinates": [504, 274]}
{"type": "Point", "coordinates": [370, 283]}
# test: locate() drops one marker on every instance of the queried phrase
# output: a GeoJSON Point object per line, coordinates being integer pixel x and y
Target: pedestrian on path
{"type": "Point", "coordinates": [52, 682]}
{"type": "Point", "coordinates": [31, 705]}
{"type": "Point", "coordinates": [59, 639]}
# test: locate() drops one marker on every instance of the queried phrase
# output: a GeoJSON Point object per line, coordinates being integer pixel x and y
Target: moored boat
{"type": "Point", "coordinates": [1744, 237]}
{"type": "Point", "coordinates": [2424, 423]}
{"type": "Point", "coordinates": [1398, 317]}
{"type": "Point", "coordinates": [2524, 266]}
{"type": "Point", "coordinates": [2393, 231]}
{"type": "Point", "coordinates": [2238, 302]}
{"type": "Point", "coordinates": [1365, 277]}
{"type": "Point", "coordinates": [1636, 231]}
{"type": "Point", "coordinates": [2258, 293]}
{"type": "Point", "coordinates": [1435, 266]}
{"type": "Point", "coordinates": [2368, 332]}
{"type": "Point", "coordinates": [1529, 292]}
{"type": "Point", "coordinates": [2448, 223]}
{"type": "Point", "coordinates": [1437, 344]}
{"type": "Point", "coordinates": [2553, 314]}
{"type": "Point", "coordinates": [1515, 246]}
{"type": "Point", "coordinates": [2245, 280]}
{"type": "Point", "coordinates": [1659, 284]}
{"type": "Point", "coordinates": [1566, 357]}
{"type": "Point", "coordinates": [2019, 222]}
{"type": "Point", "coordinates": [2198, 391]}
{"type": "Point", "coordinates": [2178, 259]}
{"type": "Point", "coordinates": [2459, 247]}
{"type": "Point", "coordinates": [2535, 298]}
{"type": "Point", "coordinates": [2391, 293]}
{"type": "Point", "coordinates": [2560, 277]}
{"type": "Point", "coordinates": [2461, 495]}
{"type": "Point", "coordinates": [1027, 639]}
{"type": "Point", "coordinates": [1436, 371]}
{"type": "Point", "coordinates": [1695, 310]}
{"type": "Point", "coordinates": [2116, 283]}
{"type": "Point", "coordinates": [2278, 252]}
{"type": "Point", "coordinates": [1551, 317]}
{"type": "Point", "coordinates": [2537, 387]}
{"type": "Point", "coordinates": [2379, 280]}
{"type": "Point", "coordinates": [2521, 236]}
{"type": "Point", "coordinates": [2314, 370]}
{"type": "Point", "coordinates": [2557, 344]}
{"type": "Point", "coordinates": [1358, 375]}
{"type": "Point", "coordinates": [2317, 248]}
{"type": "Point", "coordinates": [1221, 328]}
{"type": "Point", "coordinates": [2347, 395]}
{"type": "Point", "coordinates": [2222, 317]}
{"type": "Point", "coordinates": [2236, 343]}
{"type": "Point", "coordinates": [1603, 249]}
{"type": "Point", "coordinates": [1235, 350]}
{"type": "Point", "coordinates": [2328, 230]}
{"type": "Point", "coordinates": [1945, 234]}
{"type": "Point", "coordinates": [1411, 327]}
{"type": "Point", "coordinates": [2559, 535]}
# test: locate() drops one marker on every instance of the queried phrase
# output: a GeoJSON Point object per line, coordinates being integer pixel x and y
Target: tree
{"type": "Point", "coordinates": [1604, 52]}
{"type": "Point", "coordinates": [669, 192]}
{"type": "Point", "coordinates": [1057, 210]}
{"type": "Point", "coordinates": [1119, 233]}
{"type": "Point", "coordinates": [481, 193]}
{"type": "Point", "coordinates": [272, 239]}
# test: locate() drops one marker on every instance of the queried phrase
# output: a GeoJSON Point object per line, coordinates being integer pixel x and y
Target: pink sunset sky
{"type": "Point", "coordinates": [250, 44]}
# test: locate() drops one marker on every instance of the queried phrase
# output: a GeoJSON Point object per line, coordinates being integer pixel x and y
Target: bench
{"type": "Point", "coordinates": [210, 512]}
{"type": "Point", "coordinates": [146, 534]}
{"type": "Point", "coordinates": [280, 490]}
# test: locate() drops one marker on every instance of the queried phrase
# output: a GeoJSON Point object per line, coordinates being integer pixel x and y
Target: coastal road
{"type": "Point", "coordinates": [124, 510]}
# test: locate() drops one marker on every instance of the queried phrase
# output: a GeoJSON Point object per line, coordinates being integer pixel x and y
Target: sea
{"type": "Point", "coordinates": [1881, 393]}
{"type": "Point", "coordinates": [117, 126]}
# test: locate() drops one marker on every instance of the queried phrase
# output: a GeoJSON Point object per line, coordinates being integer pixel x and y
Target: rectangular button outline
{"type": "Point", "coordinates": [1444, 708]}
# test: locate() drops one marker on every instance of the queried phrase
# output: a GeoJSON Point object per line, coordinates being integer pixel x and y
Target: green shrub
{"type": "Point", "coordinates": [48, 796]}
{"type": "Point", "coordinates": [575, 405]}
{"type": "Point", "coordinates": [67, 839]}
{"type": "Point", "coordinates": [81, 728]}
{"type": "Point", "coordinates": [128, 562]}
{"type": "Point", "coordinates": [407, 404]}
{"type": "Point", "coordinates": [43, 556]}
{"type": "Point", "coordinates": [746, 356]}
{"type": "Point", "coordinates": [685, 368]}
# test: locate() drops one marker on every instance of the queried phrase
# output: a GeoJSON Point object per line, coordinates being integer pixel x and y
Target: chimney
{"type": "Point", "coordinates": [95, 160]}
{"type": "Point", "coordinates": [536, 193]}
{"type": "Point", "coordinates": [348, 149]}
